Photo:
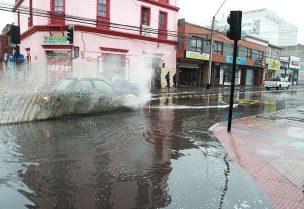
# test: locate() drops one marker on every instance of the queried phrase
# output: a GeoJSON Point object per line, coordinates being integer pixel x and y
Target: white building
{"type": "Point", "coordinates": [266, 24]}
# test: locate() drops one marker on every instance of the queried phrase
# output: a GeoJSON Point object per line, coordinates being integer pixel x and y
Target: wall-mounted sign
{"type": "Point", "coordinates": [56, 40]}
{"type": "Point", "coordinates": [75, 52]}
{"type": "Point", "coordinates": [196, 55]}
{"type": "Point", "coordinates": [274, 64]}
{"type": "Point", "coordinates": [239, 60]}
{"type": "Point", "coordinates": [294, 64]}
{"type": "Point", "coordinates": [258, 62]}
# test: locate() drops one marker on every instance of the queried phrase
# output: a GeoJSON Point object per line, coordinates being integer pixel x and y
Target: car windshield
{"type": "Point", "coordinates": [62, 85]}
{"type": "Point", "coordinates": [275, 79]}
{"type": "Point", "coordinates": [84, 86]}
{"type": "Point", "coordinates": [103, 87]}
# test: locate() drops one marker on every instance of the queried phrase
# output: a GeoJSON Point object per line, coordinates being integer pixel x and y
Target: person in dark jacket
{"type": "Point", "coordinates": [167, 77]}
{"type": "Point", "coordinates": [174, 81]}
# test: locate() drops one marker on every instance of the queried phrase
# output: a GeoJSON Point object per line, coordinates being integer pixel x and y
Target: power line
{"type": "Point", "coordinates": [46, 14]}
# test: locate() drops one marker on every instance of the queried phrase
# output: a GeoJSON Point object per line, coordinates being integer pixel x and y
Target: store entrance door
{"type": "Point", "coordinates": [189, 76]}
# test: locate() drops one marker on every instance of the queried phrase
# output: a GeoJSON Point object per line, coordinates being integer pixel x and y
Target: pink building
{"type": "Point", "coordinates": [132, 38]}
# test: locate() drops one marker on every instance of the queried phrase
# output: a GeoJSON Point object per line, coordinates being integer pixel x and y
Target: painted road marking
{"type": "Point", "coordinates": [191, 107]}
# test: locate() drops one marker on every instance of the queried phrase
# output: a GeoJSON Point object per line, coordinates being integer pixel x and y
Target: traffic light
{"type": "Point", "coordinates": [15, 34]}
{"type": "Point", "coordinates": [70, 34]}
{"type": "Point", "coordinates": [235, 22]}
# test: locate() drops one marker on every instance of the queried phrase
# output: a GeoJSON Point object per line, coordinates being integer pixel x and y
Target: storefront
{"type": "Point", "coordinates": [59, 65]}
{"type": "Point", "coordinates": [189, 74]}
{"type": "Point", "coordinates": [226, 75]}
{"type": "Point", "coordinates": [273, 67]}
{"type": "Point", "coordinates": [191, 68]}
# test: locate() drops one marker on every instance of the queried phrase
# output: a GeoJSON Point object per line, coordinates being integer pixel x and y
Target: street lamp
{"type": "Point", "coordinates": [211, 47]}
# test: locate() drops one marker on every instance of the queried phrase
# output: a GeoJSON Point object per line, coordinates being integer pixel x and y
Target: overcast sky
{"type": "Point", "coordinates": [201, 11]}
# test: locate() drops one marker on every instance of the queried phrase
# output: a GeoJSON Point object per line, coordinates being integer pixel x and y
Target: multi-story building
{"type": "Point", "coordinates": [129, 38]}
{"type": "Point", "coordinates": [194, 51]}
{"type": "Point", "coordinates": [266, 24]}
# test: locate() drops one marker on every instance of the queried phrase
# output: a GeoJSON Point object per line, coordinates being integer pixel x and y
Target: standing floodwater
{"type": "Point", "coordinates": [160, 157]}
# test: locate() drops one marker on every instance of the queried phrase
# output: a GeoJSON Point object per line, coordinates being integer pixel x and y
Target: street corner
{"type": "Point", "coordinates": [272, 158]}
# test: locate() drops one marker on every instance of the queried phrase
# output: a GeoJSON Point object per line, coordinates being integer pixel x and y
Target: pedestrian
{"type": "Point", "coordinates": [167, 77]}
{"type": "Point", "coordinates": [174, 81]}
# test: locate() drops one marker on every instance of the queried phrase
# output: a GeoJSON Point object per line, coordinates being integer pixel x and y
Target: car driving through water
{"type": "Point", "coordinates": [73, 96]}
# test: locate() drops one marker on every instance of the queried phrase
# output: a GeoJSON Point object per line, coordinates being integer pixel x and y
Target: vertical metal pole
{"type": "Point", "coordinates": [210, 56]}
{"type": "Point", "coordinates": [232, 85]}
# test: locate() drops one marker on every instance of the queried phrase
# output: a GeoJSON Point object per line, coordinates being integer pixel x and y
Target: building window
{"type": "Point", "coordinates": [145, 16]}
{"type": "Point", "coordinates": [218, 47]}
{"type": "Point", "coordinates": [249, 53]}
{"type": "Point", "coordinates": [59, 6]}
{"type": "Point", "coordinates": [162, 20]}
{"type": "Point", "coordinates": [197, 44]}
{"type": "Point", "coordinates": [57, 16]}
{"type": "Point", "coordinates": [261, 55]}
{"type": "Point", "coordinates": [103, 8]}
{"type": "Point", "coordinates": [103, 14]}
{"type": "Point", "coordinates": [162, 25]}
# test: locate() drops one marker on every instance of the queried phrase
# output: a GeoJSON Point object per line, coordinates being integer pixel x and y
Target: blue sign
{"type": "Point", "coordinates": [239, 60]}
{"type": "Point", "coordinates": [20, 58]}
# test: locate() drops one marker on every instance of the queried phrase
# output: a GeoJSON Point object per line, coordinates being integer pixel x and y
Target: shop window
{"type": "Point", "coordinates": [114, 65]}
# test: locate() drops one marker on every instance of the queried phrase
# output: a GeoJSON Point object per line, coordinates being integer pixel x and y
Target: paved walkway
{"type": "Point", "coordinates": [271, 150]}
{"type": "Point", "coordinates": [194, 89]}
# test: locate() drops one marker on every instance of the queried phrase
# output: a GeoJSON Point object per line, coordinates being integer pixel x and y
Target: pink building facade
{"type": "Point", "coordinates": [130, 38]}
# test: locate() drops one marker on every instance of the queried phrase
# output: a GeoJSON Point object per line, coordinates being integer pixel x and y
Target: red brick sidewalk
{"type": "Point", "coordinates": [272, 152]}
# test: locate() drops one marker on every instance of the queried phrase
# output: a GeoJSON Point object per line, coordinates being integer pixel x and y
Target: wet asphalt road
{"type": "Point", "coordinates": [160, 157]}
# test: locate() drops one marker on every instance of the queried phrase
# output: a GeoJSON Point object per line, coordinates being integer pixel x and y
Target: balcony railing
{"type": "Point", "coordinates": [57, 18]}
{"type": "Point", "coordinates": [146, 30]}
{"type": "Point", "coordinates": [163, 34]}
{"type": "Point", "coordinates": [103, 23]}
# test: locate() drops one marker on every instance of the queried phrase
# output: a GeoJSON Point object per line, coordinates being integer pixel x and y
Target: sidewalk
{"type": "Point", "coordinates": [271, 151]}
{"type": "Point", "coordinates": [201, 89]}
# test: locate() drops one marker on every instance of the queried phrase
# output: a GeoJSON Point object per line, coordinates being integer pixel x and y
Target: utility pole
{"type": "Point", "coordinates": [211, 47]}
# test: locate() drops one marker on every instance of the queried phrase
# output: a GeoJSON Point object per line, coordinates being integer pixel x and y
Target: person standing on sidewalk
{"type": "Point", "coordinates": [174, 81]}
{"type": "Point", "coordinates": [167, 77]}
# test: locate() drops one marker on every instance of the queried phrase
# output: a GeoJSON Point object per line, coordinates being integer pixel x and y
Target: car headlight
{"type": "Point", "coordinates": [45, 98]}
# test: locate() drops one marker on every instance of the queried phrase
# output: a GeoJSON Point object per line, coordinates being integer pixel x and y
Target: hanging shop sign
{"type": "Point", "coordinates": [274, 64]}
{"type": "Point", "coordinates": [56, 40]}
{"type": "Point", "coordinates": [196, 55]}
{"type": "Point", "coordinates": [239, 60]}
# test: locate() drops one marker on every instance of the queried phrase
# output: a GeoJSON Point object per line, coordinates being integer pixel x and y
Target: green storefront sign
{"type": "Point", "coordinates": [56, 40]}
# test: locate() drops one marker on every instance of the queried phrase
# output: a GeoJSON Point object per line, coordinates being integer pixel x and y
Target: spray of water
{"type": "Point", "coordinates": [28, 93]}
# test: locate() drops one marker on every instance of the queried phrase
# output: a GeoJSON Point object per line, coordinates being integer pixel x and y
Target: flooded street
{"type": "Point", "coordinates": [160, 157]}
